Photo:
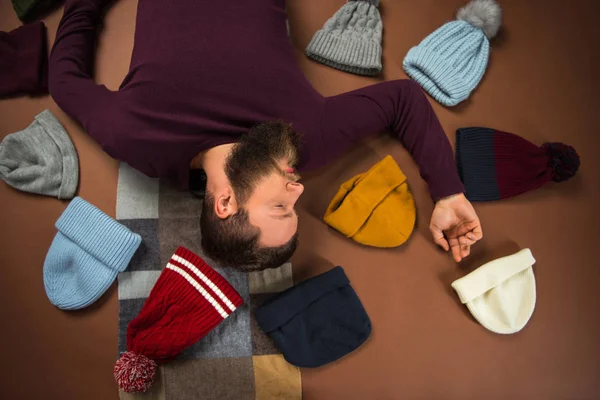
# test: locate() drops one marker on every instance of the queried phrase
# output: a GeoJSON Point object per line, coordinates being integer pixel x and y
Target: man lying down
{"type": "Point", "coordinates": [215, 86]}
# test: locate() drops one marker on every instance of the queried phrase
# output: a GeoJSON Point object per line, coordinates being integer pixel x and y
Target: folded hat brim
{"type": "Point", "coordinates": [441, 63]}
{"type": "Point", "coordinates": [502, 311]}
{"type": "Point", "coordinates": [98, 234]}
{"type": "Point", "coordinates": [436, 76]}
{"type": "Point", "coordinates": [357, 56]}
{"type": "Point", "coordinates": [71, 286]}
{"type": "Point", "coordinates": [491, 275]}
{"type": "Point", "coordinates": [70, 161]}
{"type": "Point", "coordinates": [316, 322]}
{"type": "Point", "coordinates": [506, 314]}
{"type": "Point", "coordinates": [374, 208]}
{"type": "Point", "coordinates": [284, 307]}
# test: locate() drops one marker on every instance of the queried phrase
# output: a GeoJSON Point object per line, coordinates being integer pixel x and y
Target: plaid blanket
{"type": "Point", "coordinates": [236, 360]}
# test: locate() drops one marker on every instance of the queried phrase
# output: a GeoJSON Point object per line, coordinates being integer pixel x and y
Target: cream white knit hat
{"type": "Point", "coordinates": [501, 293]}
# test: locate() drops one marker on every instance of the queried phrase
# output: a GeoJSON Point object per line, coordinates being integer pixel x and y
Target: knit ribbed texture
{"type": "Point", "coordinates": [350, 40]}
{"type": "Point", "coordinates": [70, 161]}
{"type": "Point", "coordinates": [375, 208]}
{"type": "Point", "coordinates": [521, 166]}
{"type": "Point", "coordinates": [450, 62]}
{"type": "Point", "coordinates": [501, 294]}
{"type": "Point", "coordinates": [188, 301]}
{"type": "Point", "coordinates": [316, 322]}
{"type": "Point", "coordinates": [497, 165]}
{"type": "Point", "coordinates": [98, 234]}
{"type": "Point", "coordinates": [476, 163]}
{"type": "Point", "coordinates": [41, 159]}
{"type": "Point", "coordinates": [86, 255]}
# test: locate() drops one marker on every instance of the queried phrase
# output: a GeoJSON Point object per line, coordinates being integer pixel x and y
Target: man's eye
{"type": "Point", "coordinates": [279, 206]}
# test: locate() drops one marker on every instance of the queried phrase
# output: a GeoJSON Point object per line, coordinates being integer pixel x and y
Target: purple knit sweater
{"type": "Point", "coordinates": [203, 72]}
{"type": "Point", "coordinates": [24, 61]}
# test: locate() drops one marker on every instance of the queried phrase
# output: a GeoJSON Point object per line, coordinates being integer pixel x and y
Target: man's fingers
{"type": "Point", "coordinates": [465, 241]}
{"type": "Point", "coordinates": [453, 241]}
{"type": "Point", "coordinates": [476, 233]}
{"type": "Point", "coordinates": [456, 253]}
{"type": "Point", "coordinates": [456, 249]}
{"type": "Point", "coordinates": [465, 245]}
{"type": "Point", "coordinates": [465, 251]}
{"type": "Point", "coordinates": [472, 237]}
{"type": "Point", "coordinates": [441, 241]}
{"type": "Point", "coordinates": [439, 238]}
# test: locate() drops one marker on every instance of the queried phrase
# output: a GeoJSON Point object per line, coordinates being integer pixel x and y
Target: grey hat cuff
{"type": "Point", "coordinates": [362, 57]}
{"type": "Point", "coordinates": [70, 161]}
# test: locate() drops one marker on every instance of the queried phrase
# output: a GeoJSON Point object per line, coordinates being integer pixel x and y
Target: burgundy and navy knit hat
{"type": "Point", "coordinates": [188, 301]}
{"type": "Point", "coordinates": [496, 165]}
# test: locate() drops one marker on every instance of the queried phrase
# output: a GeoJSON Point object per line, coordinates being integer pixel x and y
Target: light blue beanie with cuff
{"type": "Point", "coordinates": [450, 63]}
{"type": "Point", "coordinates": [86, 255]}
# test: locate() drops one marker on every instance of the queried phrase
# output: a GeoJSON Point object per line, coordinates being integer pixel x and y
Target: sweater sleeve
{"type": "Point", "coordinates": [400, 106]}
{"type": "Point", "coordinates": [71, 64]}
{"type": "Point", "coordinates": [24, 60]}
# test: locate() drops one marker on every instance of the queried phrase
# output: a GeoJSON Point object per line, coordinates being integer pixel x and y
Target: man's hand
{"type": "Point", "coordinates": [455, 225]}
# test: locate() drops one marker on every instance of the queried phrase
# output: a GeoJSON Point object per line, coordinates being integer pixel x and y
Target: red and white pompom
{"type": "Point", "coordinates": [134, 372]}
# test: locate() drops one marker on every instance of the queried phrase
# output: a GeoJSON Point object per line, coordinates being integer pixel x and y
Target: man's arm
{"type": "Point", "coordinates": [71, 65]}
{"type": "Point", "coordinates": [399, 106]}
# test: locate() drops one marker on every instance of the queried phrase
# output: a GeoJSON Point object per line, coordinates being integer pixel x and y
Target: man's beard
{"type": "Point", "coordinates": [257, 154]}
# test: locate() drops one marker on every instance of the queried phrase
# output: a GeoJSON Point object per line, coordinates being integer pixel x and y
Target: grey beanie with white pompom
{"type": "Point", "coordinates": [450, 63]}
{"type": "Point", "coordinates": [350, 40]}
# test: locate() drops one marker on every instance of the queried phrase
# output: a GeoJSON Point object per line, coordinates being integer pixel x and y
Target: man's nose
{"type": "Point", "coordinates": [296, 188]}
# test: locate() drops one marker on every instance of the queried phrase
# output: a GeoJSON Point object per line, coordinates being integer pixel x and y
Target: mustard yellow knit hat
{"type": "Point", "coordinates": [374, 208]}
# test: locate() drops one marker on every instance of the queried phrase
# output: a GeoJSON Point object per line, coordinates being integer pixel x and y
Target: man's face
{"type": "Point", "coordinates": [271, 208]}
{"type": "Point", "coordinates": [261, 172]}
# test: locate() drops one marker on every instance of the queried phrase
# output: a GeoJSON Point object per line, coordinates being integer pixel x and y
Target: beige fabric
{"type": "Point", "coordinates": [276, 379]}
{"type": "Point", "coordinates": [500, 294]}
{"type": "Point", "coordinates": [272, 280]}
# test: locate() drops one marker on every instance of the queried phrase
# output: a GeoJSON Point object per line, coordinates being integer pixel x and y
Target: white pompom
{"type": "Point", "coordinates": [484, 14]}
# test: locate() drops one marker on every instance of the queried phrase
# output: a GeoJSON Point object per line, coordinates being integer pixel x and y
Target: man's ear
{"type": "Point", "coordinates": [225, 204]}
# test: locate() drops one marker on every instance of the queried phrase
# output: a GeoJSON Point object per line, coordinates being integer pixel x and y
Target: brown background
{"type": "Point", "coordinates": [542, 83]}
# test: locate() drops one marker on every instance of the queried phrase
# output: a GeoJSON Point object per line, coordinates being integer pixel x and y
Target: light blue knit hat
{"type": "Point", "coordinates": [450, 63]}
{"type": "Point", "coordinates": [86, 255]}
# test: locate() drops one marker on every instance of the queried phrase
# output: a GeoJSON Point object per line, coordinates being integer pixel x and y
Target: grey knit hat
{"type": "Point", "coordinates": [40, 159]}
{"type": "Point", "coordinates": [350, 40]}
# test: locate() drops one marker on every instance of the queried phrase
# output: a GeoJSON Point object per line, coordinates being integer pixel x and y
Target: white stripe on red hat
{"type": "Point", "coordinates": [205, 279]}
{"type": "Point", "coordinates": [199, 288]}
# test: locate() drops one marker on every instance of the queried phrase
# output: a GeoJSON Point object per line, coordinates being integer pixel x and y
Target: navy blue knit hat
{"type": "Point", "coordinates": [316, 322]}
{"type": "Point", "coordinates": [495, 165]}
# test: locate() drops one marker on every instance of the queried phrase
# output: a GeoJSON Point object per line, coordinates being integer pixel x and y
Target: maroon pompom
{"type": "Point", "coordinates": [564, 161]}
{"type": "Point", "coordinates": [134, 372]}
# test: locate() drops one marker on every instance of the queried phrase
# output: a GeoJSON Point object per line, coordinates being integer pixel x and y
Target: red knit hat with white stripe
{"type": "Point", "coordinates": [188, 301]}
